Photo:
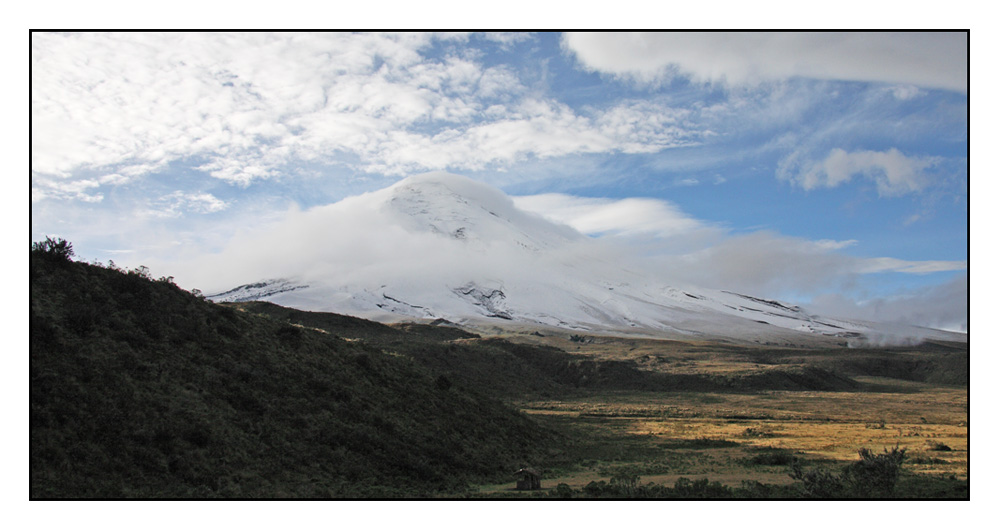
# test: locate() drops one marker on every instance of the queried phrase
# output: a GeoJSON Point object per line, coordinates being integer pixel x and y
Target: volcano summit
{"type": "Point", "coordinates": [446, 247]}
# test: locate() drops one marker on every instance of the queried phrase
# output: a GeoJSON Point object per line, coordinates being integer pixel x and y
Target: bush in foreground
{"type": "Point", "coordinates": [871, 476]}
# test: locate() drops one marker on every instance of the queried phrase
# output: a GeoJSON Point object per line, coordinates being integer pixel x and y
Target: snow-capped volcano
{"type": "Point", "coordinates": [469, 211]}
{"type": "Point", "coordinates": [442, 246]}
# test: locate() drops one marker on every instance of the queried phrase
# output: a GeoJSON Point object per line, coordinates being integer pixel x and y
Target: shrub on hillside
{"type": "Point", "coordinates": [56, 249]}
{"type": "Point", "coordinates": [772, 457]}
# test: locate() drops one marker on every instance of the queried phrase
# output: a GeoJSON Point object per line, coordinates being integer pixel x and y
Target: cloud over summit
{"type": "Point", "coordinates": [442, 229]}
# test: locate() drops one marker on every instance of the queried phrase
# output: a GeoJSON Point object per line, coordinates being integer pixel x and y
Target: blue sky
{"type": "Point", "coordinates": [829, 170]}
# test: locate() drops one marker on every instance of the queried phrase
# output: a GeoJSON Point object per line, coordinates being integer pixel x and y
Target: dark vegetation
{"type": "Point", "coordinates": [936, 362]}
{"type": "Point", "coordinates": [519, 370]}
{"type": "Point", "coordinates": [949, 364]}
{"type": "Point", "coordinates": [141, 389]}
{"type": "Point", "coordinates": [873, 475]}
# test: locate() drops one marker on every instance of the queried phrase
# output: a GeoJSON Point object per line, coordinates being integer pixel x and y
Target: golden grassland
{"type": "Point", "coordinates": [665, 436]}
{"type": "Point", "coordinates": [732, 437]}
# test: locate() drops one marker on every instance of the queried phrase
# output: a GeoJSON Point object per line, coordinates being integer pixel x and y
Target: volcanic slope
{"type": "Point", "coordinates": [442, 246]}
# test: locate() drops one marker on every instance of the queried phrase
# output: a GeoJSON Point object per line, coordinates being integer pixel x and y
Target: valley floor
{"type": "Point", "coordinates": [732, 438]}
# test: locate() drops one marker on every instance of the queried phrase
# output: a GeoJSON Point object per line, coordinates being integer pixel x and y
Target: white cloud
{"type": "Point", "coordinates": [905, 92]}
{"type": "Point", "coordinates": [833, 245]}
{"type": "Point", "coordinates": [248, 105]}
{"type": "Point", "coordinates": [60, 188]}
{"type": "Point", "coordinates": [893, 172]}
{"type": "Point", "coordinates": [595, 216]}
{"type": "Point", "coordinates": [202, 202]}
{"type": "Point", "coordinates": [772, 264]}
{"type": "Point", "coordinates": [934, 60]}
{"type": "Point", "coordinates": [663, 238]}
{"type": "Point", "coordinates": [646, 127]}
{"type": "Point", "coordinates": [944, 306]}
{"type": "Point", "coordinates": [640, 234]}
{"type": "Point", "coordinates": [878, 265]}
{"type": "Point", "coordinates": [357, 241]}
{"type": "Point", "coordinates": [179, 203]}
{"type": "Point", "coordinates": [506, 38]}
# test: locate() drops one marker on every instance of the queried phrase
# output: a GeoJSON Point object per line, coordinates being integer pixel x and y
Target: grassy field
{"type": "Point", "coordinates": [739, 437]}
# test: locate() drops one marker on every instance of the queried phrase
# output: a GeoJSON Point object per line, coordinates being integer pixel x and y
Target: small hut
{"type": "Point", "coordinates": [528, 479]}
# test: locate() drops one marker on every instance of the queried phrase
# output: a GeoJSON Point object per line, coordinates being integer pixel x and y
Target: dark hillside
{"type": "Point", "coordinates": [493, 366]}
{"type": "Point", "coordinates": [141, 389]}
{"type": "Point", "coordinates": [941, 366]}
{"type": "Point", "coordinates": [499, 367]}
{"type": "Point", "coordinates": [930, 362]}
{"type": "Point", "coordinates": [522, 371]}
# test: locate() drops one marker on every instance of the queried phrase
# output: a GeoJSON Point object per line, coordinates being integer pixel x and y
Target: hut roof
{"type": "Point", "coordinates": [529, 471]}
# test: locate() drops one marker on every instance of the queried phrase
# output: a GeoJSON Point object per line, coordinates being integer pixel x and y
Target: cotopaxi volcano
{"type": "Point", "coordinates": [440, 246]}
